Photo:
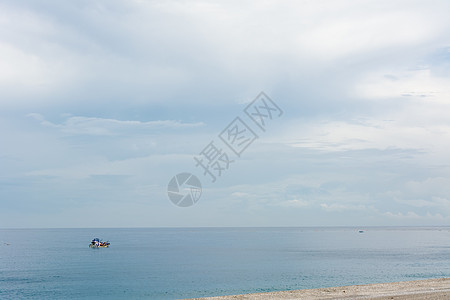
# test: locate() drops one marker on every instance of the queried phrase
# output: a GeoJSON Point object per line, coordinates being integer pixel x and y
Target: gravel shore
{"type": "Point", "coordinates": [420, 289]}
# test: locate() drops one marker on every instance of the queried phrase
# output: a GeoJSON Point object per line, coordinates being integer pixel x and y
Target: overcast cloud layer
{"type": "Point", "coordinates": [102, 102]}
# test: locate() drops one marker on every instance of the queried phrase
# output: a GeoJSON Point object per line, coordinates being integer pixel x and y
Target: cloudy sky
{"type": "Point", "coordinates": [103, 102]}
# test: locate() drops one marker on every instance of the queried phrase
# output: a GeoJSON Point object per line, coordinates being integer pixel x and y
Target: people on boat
{"type": "Point", "coordinates": [97, 243]}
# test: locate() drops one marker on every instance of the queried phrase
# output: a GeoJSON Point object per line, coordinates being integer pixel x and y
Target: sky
{"type": "Point", "coordinates": [102, 103]}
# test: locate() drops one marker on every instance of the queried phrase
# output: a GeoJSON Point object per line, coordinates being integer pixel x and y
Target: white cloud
{"type": "Point", "coordinates": [417, 127]}
{"type": "Point", "coordinates": [77, 125]}
{"type": "Point", "coordinates": [416, 217]}
{"type": "Point", "coordinates": [239, 194]}
{"type": "Point", "coordinates": [431, 194]}
{"type": "Point", "coordinates": [355, 29]}
{"type": "Point", "coordinates": [294, 203]}
{"type": "Point", "coordinates": [419, 85]}
{"type": "Point", "coordinates": [337, 207]}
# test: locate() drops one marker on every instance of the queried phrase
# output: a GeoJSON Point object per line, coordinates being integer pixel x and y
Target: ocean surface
{"type": "Point", "coordinates": [169, 263]}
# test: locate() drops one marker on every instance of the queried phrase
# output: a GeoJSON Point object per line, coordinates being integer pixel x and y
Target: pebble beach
{"type": "Point", "coordinates": [419, 289]}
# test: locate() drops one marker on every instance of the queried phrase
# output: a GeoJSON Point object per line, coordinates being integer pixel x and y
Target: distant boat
{"type": "Point", "coordinates": [96, 243]}
{"type": "Point", "coordinates": [361, 231]}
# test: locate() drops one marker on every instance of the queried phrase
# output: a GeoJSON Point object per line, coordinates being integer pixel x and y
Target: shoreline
{"type": "Point", "coordinates": [417, 289]}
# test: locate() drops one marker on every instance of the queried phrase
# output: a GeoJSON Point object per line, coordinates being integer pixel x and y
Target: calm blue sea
{"type": "Point", "coordinates": [194, 262]}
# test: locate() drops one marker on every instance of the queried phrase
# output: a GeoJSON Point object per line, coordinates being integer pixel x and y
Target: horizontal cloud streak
{"type": "Point", "coordinates": [100, 126]}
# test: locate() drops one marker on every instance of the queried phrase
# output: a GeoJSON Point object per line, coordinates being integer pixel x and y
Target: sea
{"type": "Point", "coordinates": [174, 263]}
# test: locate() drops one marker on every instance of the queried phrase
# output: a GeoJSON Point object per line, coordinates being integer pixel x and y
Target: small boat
{"type": "Point", "coordinates": [96, 243]}
{"type": "Point", "coordinates": [361, 231]}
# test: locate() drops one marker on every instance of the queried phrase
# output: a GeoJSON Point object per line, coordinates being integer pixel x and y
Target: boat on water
{"type": "Point", "coordinates": [96, 243]}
